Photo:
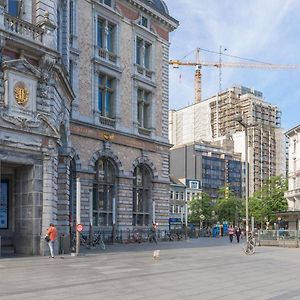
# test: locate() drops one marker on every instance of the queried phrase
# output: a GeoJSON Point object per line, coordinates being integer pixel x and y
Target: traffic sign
{"type": "Point", "coordinates": [79, 227]}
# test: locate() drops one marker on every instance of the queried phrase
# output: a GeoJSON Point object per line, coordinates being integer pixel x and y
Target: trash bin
{"type": "Point", "coordinates": [64, 244]}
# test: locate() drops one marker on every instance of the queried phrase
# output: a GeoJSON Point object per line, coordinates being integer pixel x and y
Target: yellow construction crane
{"type": "Point", "coordinates": [199, 64]}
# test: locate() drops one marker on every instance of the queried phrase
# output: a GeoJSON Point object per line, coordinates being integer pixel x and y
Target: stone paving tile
{"type": "Point", "coordinates": [197, 269]}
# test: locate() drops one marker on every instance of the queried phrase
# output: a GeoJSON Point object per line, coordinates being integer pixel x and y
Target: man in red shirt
{"type": "Point", "coordinates": [52, 234]}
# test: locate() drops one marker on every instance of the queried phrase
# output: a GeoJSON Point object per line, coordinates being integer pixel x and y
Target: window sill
{"type": "Point", "coordinates": [144, 131]}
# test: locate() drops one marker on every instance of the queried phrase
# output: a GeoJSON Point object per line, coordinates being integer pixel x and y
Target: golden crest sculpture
{"type": "Point", "coordinates": [21, 93]}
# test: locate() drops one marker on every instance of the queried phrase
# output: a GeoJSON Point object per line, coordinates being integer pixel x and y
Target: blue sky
{"type": "Point", "coordinates": [263, 30]}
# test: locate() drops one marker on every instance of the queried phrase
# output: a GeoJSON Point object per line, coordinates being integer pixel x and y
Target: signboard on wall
{"type": "Point", "coordinates": [4, 205]}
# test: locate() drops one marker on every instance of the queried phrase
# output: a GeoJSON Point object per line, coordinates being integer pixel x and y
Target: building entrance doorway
{"type": "Point", "coordinates": [4, 204]}
{"type": "Point", "coordinates": [20, 208]}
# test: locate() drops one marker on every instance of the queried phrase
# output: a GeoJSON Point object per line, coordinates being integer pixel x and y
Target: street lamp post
{"type": "Point", "coordinates": [239, 119]}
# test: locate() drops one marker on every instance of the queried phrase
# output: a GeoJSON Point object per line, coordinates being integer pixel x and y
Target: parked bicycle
{"type": "Point", "coordinates": [250, 245]}
{"type": "Point", "coordinates": [98, 240]}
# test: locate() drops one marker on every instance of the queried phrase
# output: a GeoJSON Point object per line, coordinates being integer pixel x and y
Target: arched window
{"type": "Point", "coordinates": [103, 192]}
{"type": "Point", "coordinates": [142, 199]}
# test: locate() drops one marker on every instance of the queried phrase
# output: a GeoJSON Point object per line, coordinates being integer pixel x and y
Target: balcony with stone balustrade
{"type": "Point", "coordinates": [23, 28]}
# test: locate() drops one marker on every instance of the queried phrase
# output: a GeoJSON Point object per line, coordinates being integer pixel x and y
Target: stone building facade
{"type": "Point", "coordinates": [293, 193]}
{"type": "Point", "coordinates": [83, 115]}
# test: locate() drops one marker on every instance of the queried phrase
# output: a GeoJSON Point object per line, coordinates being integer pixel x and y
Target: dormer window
{"type": "Point", "coordinates": [106, 2]}
{"type": "Point", "coordinates": [144, 22]}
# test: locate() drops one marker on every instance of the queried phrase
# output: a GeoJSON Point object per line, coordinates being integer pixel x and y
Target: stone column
{"type": "Point", "coordinates": [124, 203]}
{"type": "Point", "coordinates": [160, 194]}
{"type": "Point", "coordinates": [49, 210]}
{"type": "Point", "coordinates": [28, 209]}
{"type": "Point", "coordinates": [63, 194]}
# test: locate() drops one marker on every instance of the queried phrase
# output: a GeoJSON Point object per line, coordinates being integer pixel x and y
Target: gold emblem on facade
{"type": "Point", "coordinates": [108, 136]}
{"type": "Point", "coordinates": [21, 93]}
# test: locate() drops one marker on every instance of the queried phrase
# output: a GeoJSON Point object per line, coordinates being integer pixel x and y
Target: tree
{"type": "Point", "coordinates": [229, 207]}
{"type": "Point", "coordinates": [200, 206]}
{"type": "Point", "coordinates": [269, 200]}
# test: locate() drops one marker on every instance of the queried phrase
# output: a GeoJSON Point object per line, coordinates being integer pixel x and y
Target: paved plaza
{"type": "Point", "coordinates": [196, 269]}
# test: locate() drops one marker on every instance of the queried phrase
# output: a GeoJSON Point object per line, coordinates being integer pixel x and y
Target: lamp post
{"type": "Point", "coordinates": [239, 119]}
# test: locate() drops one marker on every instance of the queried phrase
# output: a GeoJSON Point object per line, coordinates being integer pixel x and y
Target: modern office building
{"type": "Point", "coordinates": [211, 165]}
{"type": "Point", "coordinates": [83, 115]}
{"type": "Point", "coordinates": [215, 118]}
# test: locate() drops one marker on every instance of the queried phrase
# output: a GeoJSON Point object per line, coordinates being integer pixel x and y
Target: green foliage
{"type": "Point", "coordinates": [200, 205]}
{"type": "Point", "coordinates": [269, 199]}
{"type": "Point", "coordinates": [229, 207]}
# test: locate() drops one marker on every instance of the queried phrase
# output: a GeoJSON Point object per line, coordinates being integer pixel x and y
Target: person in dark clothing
{"type": "Point", "coordinates": [231, 233]}
{"type": "Point", "coordinates": [238, 233]}
{"type": "Point", "coordinates": [154, 233]}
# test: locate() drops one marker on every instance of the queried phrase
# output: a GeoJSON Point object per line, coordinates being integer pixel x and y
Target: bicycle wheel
{"type": "Point", "coordinates": [249, 249]}
{"type": "Point", "coordinates": [102, 245]}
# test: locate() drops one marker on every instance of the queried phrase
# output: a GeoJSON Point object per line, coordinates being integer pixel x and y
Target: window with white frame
{"type": "Point", "coordinates": [194, 184]}
{"type": "Point", "coordinates": [143, 53]}
{"type": "Point", "coordinates": [106, 33]}
{"type": "Point", "coordinates": [182, 195]}
{"type": "Point", "coordinates": [106, 95]}
{"type": "Point", "coordinates": [177, 196]}
{"type": "Point", "coordinates": [171, 195]}
{"type": "Point", "coordinates": [143, 108]}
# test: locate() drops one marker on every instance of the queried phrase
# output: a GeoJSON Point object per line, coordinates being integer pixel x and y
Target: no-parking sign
{"type": "Point", "coordinates": [79, 227]}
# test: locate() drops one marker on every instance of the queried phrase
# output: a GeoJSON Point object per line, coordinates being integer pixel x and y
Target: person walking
{"type": "Point", "coordinates": [238, 233]}
{"type": "Point", "coordinates": [51, 234]}
{"type": "Point", "coordinates": [154, 233]}
{"type": "Point", "coordinates": [231, 233]}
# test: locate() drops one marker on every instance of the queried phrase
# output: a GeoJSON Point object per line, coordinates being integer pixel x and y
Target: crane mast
{"type": "Point", "coordinates": [198, 76]}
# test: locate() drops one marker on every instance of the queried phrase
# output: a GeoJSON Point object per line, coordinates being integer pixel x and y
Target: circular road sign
{"type": "Point", "coordinates": [79, 227]}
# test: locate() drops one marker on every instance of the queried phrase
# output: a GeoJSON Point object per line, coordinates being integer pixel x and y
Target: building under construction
{"type": "Point", "coordinates": [215, 119]}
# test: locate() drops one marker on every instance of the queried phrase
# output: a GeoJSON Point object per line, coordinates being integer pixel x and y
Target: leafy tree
{"type": "Point", "coordinates": [229, 207]}
{"type": "Point", "coordinates": [269, 199]}
{"type": "Point", "coordinates": [200, 205]}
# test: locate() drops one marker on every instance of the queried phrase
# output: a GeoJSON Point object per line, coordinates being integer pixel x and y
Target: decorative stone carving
{"type": "Point", "coordinates": [47, 63]}
{"type": "Point", "coordinates": [21, 122]}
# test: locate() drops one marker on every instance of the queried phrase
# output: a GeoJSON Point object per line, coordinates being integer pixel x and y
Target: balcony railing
{"type": "Point", "coordinates": [23, 28]}
{"type": "Point", "coordinates": [107, 121]}
{"type": "Point", "coordinates": [144, 71]}
{"type": "Point", "coordinates": [107, 55]}
{"type": "Point", "coordinates": [292, 193]}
